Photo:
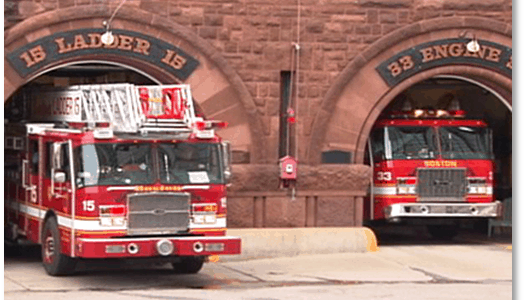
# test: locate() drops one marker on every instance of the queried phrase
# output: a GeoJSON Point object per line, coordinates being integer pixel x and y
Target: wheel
{"type": "Point", "coordinates": [443, 232]}
{"type": "Point", "coordinates": [54, 261]}
{"type": "Point", "coordinates": [189, 265]}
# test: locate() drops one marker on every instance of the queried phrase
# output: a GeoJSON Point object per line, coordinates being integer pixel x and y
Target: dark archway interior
{"type": "Point", "coordinates": [15, 107]}
{"type": "Point", "coordinates": [478, 103]}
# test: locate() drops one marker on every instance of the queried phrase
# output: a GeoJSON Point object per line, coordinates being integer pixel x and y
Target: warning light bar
{"type": "Point", "coordinates": [205, 208]}
{"type": "Point", "coordinates": [429, 113]}
{"type": "Point", "coordinates": [204, 128]}
{"type": "Point", "coordinates": [112, 210]}
{"type": "Point", "coordinates": [209, 124]}
{"type": "Point", "coordinates": [458, 113]}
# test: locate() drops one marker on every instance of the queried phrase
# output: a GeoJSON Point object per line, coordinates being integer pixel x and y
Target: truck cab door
{"type": "Point", "coordinates": [62, 189]}
{"type": "Point", "coordinates": [61, 173]}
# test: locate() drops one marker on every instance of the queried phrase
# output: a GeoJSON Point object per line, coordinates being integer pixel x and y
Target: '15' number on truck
{"type": "Point", "coordinates": [88, 205]}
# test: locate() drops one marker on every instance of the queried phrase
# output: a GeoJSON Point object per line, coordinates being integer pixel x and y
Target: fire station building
{"type": "Point", "coordinates": [300, 78]}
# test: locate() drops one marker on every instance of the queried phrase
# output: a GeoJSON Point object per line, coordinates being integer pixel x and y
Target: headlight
{"type": "Point", "coordinates": [198, 219]}
{"type": "Point", "coordinates": [209, 219]}
{"type": "Point", "coordinates": [406, 185]}
{"type": "Point", "coordinates": [477, 185]}
{"type": "Point", "coordinates": [402, 190]}
{"type": "Point", "coordinates": [112, 221]}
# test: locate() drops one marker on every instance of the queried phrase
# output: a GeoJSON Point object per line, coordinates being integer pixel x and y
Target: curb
{"type": "Point", "coordinates": [286, 242]}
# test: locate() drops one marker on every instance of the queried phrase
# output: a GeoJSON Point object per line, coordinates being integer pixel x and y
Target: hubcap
{"type": "Point", "coordinates": [49, 248]}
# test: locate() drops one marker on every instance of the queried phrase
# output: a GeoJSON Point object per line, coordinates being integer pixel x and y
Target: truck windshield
{"type": "Point", "coordinates": [189, 163]}
{"type": "Point", "coordinates": [410, 143]}
{"type": "Point", "coordinates": [131, 164]}
{"type": "Point", "coordinates": [114, 164]}
{"type": "Point", "coordinates": [465, 142]}
{"type": "Point", "coordinates": [456, 142]}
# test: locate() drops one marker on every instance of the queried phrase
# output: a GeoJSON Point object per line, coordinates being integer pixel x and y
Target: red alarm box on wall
{"type": "Point", "coordinates": [288, 171]}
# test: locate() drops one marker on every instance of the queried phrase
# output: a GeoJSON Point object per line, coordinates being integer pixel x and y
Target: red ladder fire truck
{"type": "Point", "coordinates": [431, 167]}
{"type": "Point", "coordinates": [117, 171]}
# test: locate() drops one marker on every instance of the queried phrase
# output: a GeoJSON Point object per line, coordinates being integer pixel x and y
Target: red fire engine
{"type": "Point", "coordinates": [431, 167]}
{"type": "Point", "coordinates": [117, 171]}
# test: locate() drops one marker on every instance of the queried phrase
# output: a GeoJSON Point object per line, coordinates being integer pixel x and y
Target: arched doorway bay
{"type": "Point", "coordinates": [145, 43]}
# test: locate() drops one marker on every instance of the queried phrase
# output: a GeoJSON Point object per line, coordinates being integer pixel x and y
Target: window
{"type": "Point", "coordinates": [131, 163]}
{"type": "Point", "coordinates": [423, 142]}
{"type": "Point", "coordinates": [377, 140]}
{"type": "Point", "coordinates": [64, 163]}
{"type": "Point", "coordinates": [336, 157]}
{"type": "Point", "coordinates": [60, 161]}
{"type": "Point", "coordinates": [49, 160]}
{"type": "Point", "coordinates": [114, 164]}
{"type": "Point", "coordinates": [411, 143]}
{"type": "Point", "coordinates": [35, 158]}
{"type": "Point", "coordinates": [284, 127]}
{"type": "Point", "coordinates": [404, 142]}
{"type": "Point", "coordinates": [184, 163]}
{"type": "Point", "coordinates": [465, 142]}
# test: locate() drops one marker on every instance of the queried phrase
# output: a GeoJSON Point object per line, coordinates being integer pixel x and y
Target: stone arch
{"type": "Point", "coordinates": [216, 86]}
{"type": "Point", "coordinates": [354, 101]}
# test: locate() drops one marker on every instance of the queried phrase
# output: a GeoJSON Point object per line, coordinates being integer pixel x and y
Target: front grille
{"type": "Point", "coordinates": [441, 184]}
{"type": "Point", "coordinates": [158, 213]}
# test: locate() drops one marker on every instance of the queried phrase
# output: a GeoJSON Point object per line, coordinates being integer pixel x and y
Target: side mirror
{"type": "Point", "coordinates": [60, 177]}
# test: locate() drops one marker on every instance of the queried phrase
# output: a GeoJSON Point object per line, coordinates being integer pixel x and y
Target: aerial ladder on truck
{"type": "Point", "coordinates": [130, 108]}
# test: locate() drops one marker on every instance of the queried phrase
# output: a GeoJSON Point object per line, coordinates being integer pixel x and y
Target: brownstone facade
{"type": "Point", "coordinates": [244, 46]}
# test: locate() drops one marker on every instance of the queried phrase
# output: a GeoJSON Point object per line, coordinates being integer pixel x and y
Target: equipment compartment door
{"type": "Point", "coordinates": [31, 181]}
{"type": "Point", "coordinates": [31, 177]}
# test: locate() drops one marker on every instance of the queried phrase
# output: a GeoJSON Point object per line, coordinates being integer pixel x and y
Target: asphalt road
{"type": "Point", "coordinates": [407, 266]}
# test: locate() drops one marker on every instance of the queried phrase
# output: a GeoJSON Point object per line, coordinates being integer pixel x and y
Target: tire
{"type": "Point", "coordinates": [188, 265]}
{"type": "Point", "coordinates": [55, 263]}
{"type": "Point", "coordinates": [443, 232]}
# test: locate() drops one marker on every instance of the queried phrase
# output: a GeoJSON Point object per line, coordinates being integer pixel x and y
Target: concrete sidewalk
{"type": "Point", "coordinates": [298, 263]}
{"type": "Point", "coordinates": [286, 242]}
{"type": "Point", "coordinates": [410, 272]}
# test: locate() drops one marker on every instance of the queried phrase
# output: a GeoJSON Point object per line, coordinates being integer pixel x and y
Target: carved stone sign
{"type": "Point", "coordinates": [445, 52]}
{"type": "Point", "coordinates": [48, 50]}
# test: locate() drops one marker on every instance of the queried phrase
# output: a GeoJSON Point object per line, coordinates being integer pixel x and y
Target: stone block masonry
{"type": "Point", "coordinates": [256, 37]}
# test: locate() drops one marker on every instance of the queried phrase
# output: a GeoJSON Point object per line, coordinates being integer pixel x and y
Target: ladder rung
{"type": "Point", "coordinates": [165, 120]}
{"type": "Point", "coordinates": [165, 125]}
{"type": "Point", "coordinates": [164, 129]}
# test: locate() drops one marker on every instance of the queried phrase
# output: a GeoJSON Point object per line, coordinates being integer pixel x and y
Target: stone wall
{"type": "Point", "coordinates": [256, 36]}
{"type": "Point", "coordinates": [327, 195]}
{"type": "Point", "coordinates": [256, 39]}
{"type": "Point", "coordinates": [329, 177]}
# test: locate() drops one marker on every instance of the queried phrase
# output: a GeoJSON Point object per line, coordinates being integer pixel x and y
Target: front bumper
{"type": "Point", "coordinates": [148, 247]}
{"type": "Point", "coordinates": [443, 210]}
